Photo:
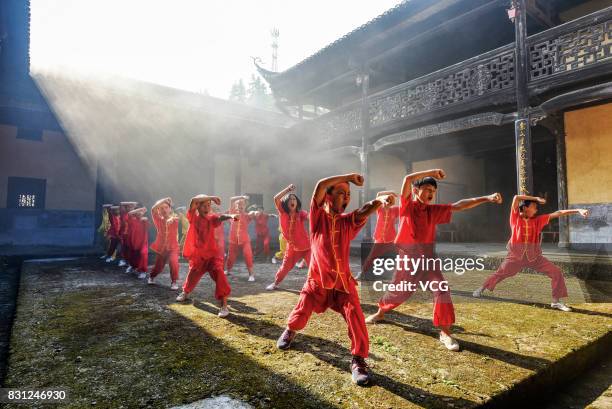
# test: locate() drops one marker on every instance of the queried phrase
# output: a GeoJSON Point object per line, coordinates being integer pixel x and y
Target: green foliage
{"type": "Point", "coordinates": [256, 94]}
{"type": "Point", "coordinates": [238, 92]}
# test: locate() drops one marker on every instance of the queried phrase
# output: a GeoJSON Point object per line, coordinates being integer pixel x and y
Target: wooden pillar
{"type": "Point", "coordinates": [556, 125]}
{"type": "Point", "coordinates": [365, 143]}
{"type": "Point", "coordinates": [238, 174]}
{"type": "Point", "coordinates": [211, 173]}
{"type": "Point", "coordinates": [564, 237]}
{"type": "Point", "coordinates": [522, 129]}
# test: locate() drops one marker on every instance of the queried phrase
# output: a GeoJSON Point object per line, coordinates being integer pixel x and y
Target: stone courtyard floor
{"type": "Point", "coordinates": [113, 341]}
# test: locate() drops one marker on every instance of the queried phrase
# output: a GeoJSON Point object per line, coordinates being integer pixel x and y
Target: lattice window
{"type": "Point", "coordinates": [571, 51]}
{"type": "Point", "coordinates": [338, 123]}
{"type": "Point", "coordinates": [469, 82]}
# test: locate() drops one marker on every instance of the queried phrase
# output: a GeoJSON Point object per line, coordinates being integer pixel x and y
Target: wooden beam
{"type": "Point", "coordinates": [543, 17]}
{"type": "Point", "coordinates": [455, 125]}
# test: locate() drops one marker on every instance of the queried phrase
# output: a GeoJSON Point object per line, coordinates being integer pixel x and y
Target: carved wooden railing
{"type": "Point", "coordinates": [565, 54]}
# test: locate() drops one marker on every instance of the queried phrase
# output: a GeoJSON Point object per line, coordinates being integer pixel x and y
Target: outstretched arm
{"type": "Point", "coordinates": [322, 185]}
{"type": "Point", "coordinates": [160, 202]}
{"type": "Point", "coordinates": [138, 212]}
{"type": "Point", "coordinates": [196, 200]}
{"type": "Point", "coordinates": [234, 199]}
{"type": "Point", "coordinates": [278, 197]}
{"type": "Point", "coordinates": [567, 212]}
{"type": "Point", "coordinates": [225, 217]}
{"type": "Point", "coordinates": [386, 192]}
{"type": "Point", "coordinates": [476, 201]}
{"type": "Point", "coordinates": [370, 207]}
{"type": "Point", "coordinates": [408, 179]}
{"type": "Point", "coordinates": [517, 199]}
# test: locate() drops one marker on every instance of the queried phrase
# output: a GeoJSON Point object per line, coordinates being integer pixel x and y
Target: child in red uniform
{"type": "Point", "coordinates": [166, 242]}
{"type": "Point", "coordinates": [219, 235]}
{"type": "Point", "coordinates": [416, 238]}
{"type": "Point", "coordinates": [524, 249]}
{"type": "Point", "coordinates": [384, 233]}
{"type": "Point", "coordinates": [239, 235]}
{"type": "Point", "coordinates": [139, 243]}
{"type": "Point", "coordinates": [202, 252]}
{"type": "Point", "coordinates": [291, 220]}
{"type": "Point", "coordinates": [262, 231]}
{"type": "Point", "coordinates": [113, 232]}
{"type": "Point", "coordinates": [124, 209]}
{"type": "Point", "coordinates": [133, 220]}
{"type": "Point", "coordinates": [330, 283]}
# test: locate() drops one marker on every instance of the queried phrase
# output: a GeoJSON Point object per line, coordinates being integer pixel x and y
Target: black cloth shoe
{"type": "Point", "coordinates": [360, 372]}
{"type": "Point", "coordinates": [284, 342]}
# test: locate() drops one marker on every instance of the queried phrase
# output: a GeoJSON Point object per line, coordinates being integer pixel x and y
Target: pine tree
{"type": "Point", "coordinates": [257, 93]}
{"type": "Point", "coordinates": [238, 92]}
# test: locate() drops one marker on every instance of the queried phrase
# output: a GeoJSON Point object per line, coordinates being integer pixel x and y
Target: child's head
{"type": "Point", "coordinates": [425, 189]}
{"type": "Point", "coordinates": [339, 197]}
{"type": "Point", "coordinates": [165, 209]}
{"type": "Point", "coordinates": [240, 205]}
{"type": "Point", "coordinates": [205, 207]}
{"type": "Point", "coordinates": [528, 208]}
{"type": "Point", "coordinates": [291, 203]}
{"type": "Point", "coordinates": [115, 210]}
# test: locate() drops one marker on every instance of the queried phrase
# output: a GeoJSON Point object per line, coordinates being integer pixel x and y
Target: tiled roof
{"type": "Point", "coordinates": [353, 36]}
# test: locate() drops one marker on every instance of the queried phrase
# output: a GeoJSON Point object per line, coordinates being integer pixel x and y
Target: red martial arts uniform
{"type": "Point", "coordinates": [139, 232]}
{"type": "Point", "coordinates": [386, 217]}
{"type": "Point", "coordinates": [220, 238]}
{"type": "Point", "coordinates": [524, 251]}
{"type": "Point", "coordinates": [203, 254]}
{"type": "Point", "coordinates": [239, 239]}
{"type": "Point", "coordinates": [113, 233]}
{"type": "Point", "coordinates": [124, 235]}
{"type": "Point", "coordinates": [263, 234]}
{"type": "Point", "coordinates": [166, 245]}
{"type": "Point", "coordinates": [298, 243]}
{"type": "Point", "coordinates": [330, 283]}
{"type": "Point", "coordinates": [134, 255]}
{"type": "Point", "coordinates": [416, 238]}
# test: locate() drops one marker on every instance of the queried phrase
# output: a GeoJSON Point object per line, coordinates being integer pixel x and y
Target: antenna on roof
{"type": "Point", "coordinates": [275, 34]}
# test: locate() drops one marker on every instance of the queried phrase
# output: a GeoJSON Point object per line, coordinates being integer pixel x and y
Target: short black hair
{"type": "Point", "coordinates": [285, 202]}
{"type": "Point", "coordinates": [330, 189]}
{"type": "Point", "coordinates": [426, 181]}
{"type": "Point", "coordinates": [525, 203]}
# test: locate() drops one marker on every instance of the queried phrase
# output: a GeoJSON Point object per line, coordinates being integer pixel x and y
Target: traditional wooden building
{"type": "Point", "coordinates": [457, 84]}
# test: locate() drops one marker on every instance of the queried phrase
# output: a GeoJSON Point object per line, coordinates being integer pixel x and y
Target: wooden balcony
{"type": "Point", "coordinates": [561, 58]}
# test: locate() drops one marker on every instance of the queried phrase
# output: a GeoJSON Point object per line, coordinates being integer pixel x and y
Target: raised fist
{"type": "Point", "coordinates": [357, 179]}
{"type": "Point", "coordinates": [438, 174]}
{"type": "Point", "coordinates": [495, 198]}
